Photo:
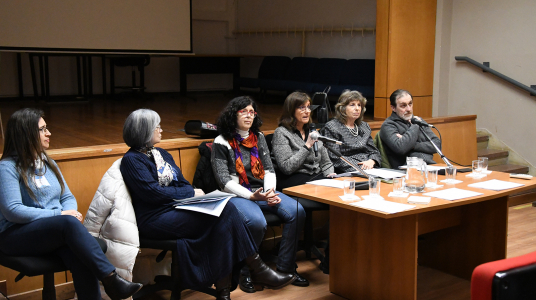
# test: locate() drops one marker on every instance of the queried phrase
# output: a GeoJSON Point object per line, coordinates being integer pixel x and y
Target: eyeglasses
{"type": "Point", "coordinates": [303, 108]}
{"type": "Point", "coordinates": [243, 112]}
{"type": "Point", "coordinates": [158, 128]}
{"type": "Point", "coordinates": [44, 129]}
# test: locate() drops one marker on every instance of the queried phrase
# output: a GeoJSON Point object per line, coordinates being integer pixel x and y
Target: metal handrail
{"type": "Point", "coordinates": [485, 67]}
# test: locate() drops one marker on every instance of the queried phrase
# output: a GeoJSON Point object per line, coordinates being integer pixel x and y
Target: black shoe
{"type": "Point", "coordinates": [246, 285]}
{"type": "Point", "coordinates": [118, 288]}
{"type": "Point", "coordinates": [300, 281]}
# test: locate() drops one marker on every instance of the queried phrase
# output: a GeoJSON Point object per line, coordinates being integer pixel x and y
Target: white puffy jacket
{"type": "Point", "coordinates": [111, 217]}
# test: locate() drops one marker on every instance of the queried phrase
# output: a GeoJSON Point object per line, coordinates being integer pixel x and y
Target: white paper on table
{"type": "Point", "coordinates": [495, 185]}
{"type": "Point", "coordinates": [419, 200]}
{"type": "Point", "coordinates": [349, 197]}
{"type": "Point", "coordinates": [372, 197]}
{"type": "Point", "coordinates": [487, 172]}
{"type": "Point", "coordinates": [328, 182]}
{"type": "Point", "coordinates": [385, 174]}
{"type": "Point", "coordinates": [451, 181]}
{"type": "Point", "coordinates": [452, 194]}
{"type": "Point", "coordinates": [476, 175]}
{"type": "Point", "coordinates": [398, 195]}
{"type": "Point", "coordinates": [209, 208]}
{"type": "Point", "coordinates": [382, 205]}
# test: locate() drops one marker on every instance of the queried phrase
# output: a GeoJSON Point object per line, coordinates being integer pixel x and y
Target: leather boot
{"type": "Point", "coordinates": [223, 288]}
{"type": "Point", "coordinates": [262, 276]}
{"type": "Point", "coordinates": [118, 288]}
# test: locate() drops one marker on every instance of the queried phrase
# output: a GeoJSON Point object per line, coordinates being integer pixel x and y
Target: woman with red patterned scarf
{"type": "Point", "coordinates": [242, 166]}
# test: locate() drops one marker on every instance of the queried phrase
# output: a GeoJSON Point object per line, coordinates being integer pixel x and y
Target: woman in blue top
{"type": "Point", "coordinates": [209, 247]}
{"type": "Point", "coordinates": [38, 213]}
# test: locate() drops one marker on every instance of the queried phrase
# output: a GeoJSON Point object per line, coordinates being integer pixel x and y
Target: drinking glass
{"type": "Point", "coordinates": [374, 186]}
{"type": "Point", "coordinates": [398, 185]}
{"type": "Point", "coordinates": [432, 177]}
{"type": "Point", "coordinates": [484, 162]}
{"type": "Point", "coordinates": [477, 167]}
{"type": "Point", "coordinates": [349, 187]}
{"type": "Point", "coordinates": [451, 174]}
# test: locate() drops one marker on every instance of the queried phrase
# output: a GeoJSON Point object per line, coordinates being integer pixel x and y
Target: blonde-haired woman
{"type": "Point", "coordinates": [348, 127]}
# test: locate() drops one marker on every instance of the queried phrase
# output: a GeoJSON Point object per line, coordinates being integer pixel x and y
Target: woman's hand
{"type": "Point", "coordinates": [309, 143]}
{"type": "Point", "coordinates": [274, 200]}
{"type": "Point", "coordinates": [198, 192]}
{"type": "Point", "coordinates": [73, 213]}
{"type": "Point", "coordinates": [332, 175]}
{"type": "Point", "coordinates": [258, 195]}
{"type": "Point", "coordinates": [367, 165]}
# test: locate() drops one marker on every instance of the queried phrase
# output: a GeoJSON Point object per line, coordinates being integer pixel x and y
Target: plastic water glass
{"type": "Point", "coordinates": [349, 187]}
{"type": "Point", "coordinates": [374, 186]}
{"type": "Point", "coordinates": [398, 185]}
{"type": "Point", "coordinates": [477, 167]}
{"type": "Point", "coordinates": [484, 164]}
{"type": "Point", "coordinates": [432, 178]}
{"type": "Point", "coordinates": [451, 174]}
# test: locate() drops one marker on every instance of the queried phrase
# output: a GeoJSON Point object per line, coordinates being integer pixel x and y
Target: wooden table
{"type": "Point", "coordinates": [374, 255]}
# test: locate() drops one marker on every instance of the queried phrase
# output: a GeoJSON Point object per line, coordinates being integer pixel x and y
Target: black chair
{"type": "Point", "coordinates": [162, 282]}
{"type": "Point", "coordinates": [45, 265]}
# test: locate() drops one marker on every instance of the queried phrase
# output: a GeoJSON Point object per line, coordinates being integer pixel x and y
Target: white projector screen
{"type": "Point", "coordinates": [96, 26]}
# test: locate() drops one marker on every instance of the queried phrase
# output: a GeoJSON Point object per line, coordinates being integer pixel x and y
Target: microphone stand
{"type": "Point", "coordinates": [443, 157]}
{"type": "Point", "coordinates": [339, 155]}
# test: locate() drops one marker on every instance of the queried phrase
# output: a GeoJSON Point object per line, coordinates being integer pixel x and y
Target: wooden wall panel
{"type": "Point", "coordinates": [422, 106]}
{"type": "Point", "coordinates": [411, 46]}
{"type": "Point", "coordinates": [189, 159]}
{"type": "Point", "coordinates": [83, 177]}
{"type": "Point", "coordinates": [405, 46]}
{"type": "Point", "coordinates": [382, 44]}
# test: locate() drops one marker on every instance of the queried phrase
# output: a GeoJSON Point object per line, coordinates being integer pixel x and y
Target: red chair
{"type": "Point", "coordinates": [513, 278]}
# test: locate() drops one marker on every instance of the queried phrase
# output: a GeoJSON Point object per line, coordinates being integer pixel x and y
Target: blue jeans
{"type": "Point", "coordinates": [66, 237]}
{"type": "Point", "coordinates": [289, 211]}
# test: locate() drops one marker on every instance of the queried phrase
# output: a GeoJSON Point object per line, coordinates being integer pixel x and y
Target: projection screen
{"type": "Point", "coordinates": [96, 26]}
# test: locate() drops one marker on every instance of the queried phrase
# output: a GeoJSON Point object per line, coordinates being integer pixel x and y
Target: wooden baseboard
{"type": "Point", "coordinates": [63, 291]}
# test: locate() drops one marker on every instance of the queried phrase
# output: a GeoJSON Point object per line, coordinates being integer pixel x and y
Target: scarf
{"type": "Point", "coordinates": [256, 165]}
{"type": "Point", "coordinates": [165, 171]}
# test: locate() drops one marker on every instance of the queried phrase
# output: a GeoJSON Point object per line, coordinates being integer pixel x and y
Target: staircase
{"type": "Point", "coordinates": [498, 160]}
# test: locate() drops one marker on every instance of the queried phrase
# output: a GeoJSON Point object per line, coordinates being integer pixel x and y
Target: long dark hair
{"type": "Point", "coordinates": [292, 102]}
{"type": "Point", "coordinates": [227, 120]}
{"type": "Point", "coordinates": [23, 144]}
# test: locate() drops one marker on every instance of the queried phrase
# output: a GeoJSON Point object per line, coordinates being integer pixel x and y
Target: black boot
{"type": "Point", "coordinates": [223, 288]}
{"type": "Point", "coordinates": [262, 276]}
{"type": "Point", "coordinates": [300, 281]}
{"type": "Point", "coordinates": [118, 288]}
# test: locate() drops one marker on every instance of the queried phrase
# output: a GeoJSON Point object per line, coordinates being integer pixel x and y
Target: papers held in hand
{"type": "Point", "coordinates": [212, 203]}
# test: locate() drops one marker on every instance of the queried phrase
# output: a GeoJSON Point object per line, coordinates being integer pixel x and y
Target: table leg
{"type": "Point", "coordinates": [371, 257]}
{"type": "Point", "coordinates": [480, 238]}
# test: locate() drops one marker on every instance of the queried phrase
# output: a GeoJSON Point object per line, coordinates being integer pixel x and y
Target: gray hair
{"type": "Point", "coordinates": [139, 127]}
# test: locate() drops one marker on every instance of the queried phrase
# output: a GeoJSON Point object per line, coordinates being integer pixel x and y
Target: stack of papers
{"type": "Point", "coordinates": [495, 185]}
{"type": "Point", "coordinates": [382, 205]}
{"type": "Point", "coordinates": [212, 203]}
{"type": "Point", "coordinates": [452, 194]}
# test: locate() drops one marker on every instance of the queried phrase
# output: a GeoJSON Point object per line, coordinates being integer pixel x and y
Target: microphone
{"type": "Point", "coordinates": [315, 145]}
{"type": "Point", "coordinates": [317, 137]}
{"type": "Point", "coordinates": [421, 123]}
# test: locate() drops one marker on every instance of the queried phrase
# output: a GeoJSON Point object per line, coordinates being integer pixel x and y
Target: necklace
{"type": "Point", "coordinates": [354, 131]}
